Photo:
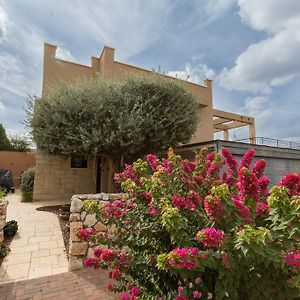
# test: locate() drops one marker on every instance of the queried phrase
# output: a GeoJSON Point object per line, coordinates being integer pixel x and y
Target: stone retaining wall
{"type": "Point", "coordinates": [3, 209]}
{"type": "Point", "coordinates": [79, 218]}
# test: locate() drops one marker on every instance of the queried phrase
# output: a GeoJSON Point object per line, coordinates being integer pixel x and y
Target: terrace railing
{"type": "Point", "coordinates": [272, 142]}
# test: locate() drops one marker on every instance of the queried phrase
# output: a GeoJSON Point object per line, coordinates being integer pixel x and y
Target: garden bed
{"type": "Point", "coordinates": [63, 222]}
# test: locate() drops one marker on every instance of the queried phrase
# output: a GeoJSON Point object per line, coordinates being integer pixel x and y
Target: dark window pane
{"type": "Point", "coordinates": [78, 161]}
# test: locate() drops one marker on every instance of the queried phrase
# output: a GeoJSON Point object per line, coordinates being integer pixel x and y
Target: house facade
{"type": "Point", "coordinates": [60, 177]}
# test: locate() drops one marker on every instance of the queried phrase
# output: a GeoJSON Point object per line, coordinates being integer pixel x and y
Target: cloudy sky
{"type": "Point", "coordinates": [250, 48]}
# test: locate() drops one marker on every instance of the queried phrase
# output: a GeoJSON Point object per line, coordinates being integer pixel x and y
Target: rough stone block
{"type": "Point", "coordinates": [76, 205]}
{"type": "Point", "coordinates": [1, 236]}
{"type": "Point", "coordinates": [100, 227]}
{"type": "Point", "coordinates": [75, 263]}
{"type": "Point", "coordinates": [74, 217]}
{"type": "Point", "coordinates": [111, 229]}
{"type": "Point", "coordinates": [83, 215]}
{"type": "Point", "coordinates": [114, 197]}
{"type": "Point", "coordinates": [90, 220]}
{"type": "Point", "coordinates": [74, 230]}
{"type": "Point", "coordinates": [79, 248]}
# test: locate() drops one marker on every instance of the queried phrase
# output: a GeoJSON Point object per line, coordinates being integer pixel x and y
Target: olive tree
{"type": "Point", "coordinates": [95, 116]}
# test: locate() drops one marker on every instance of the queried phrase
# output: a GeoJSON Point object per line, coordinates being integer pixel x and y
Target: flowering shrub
{"type": "Point", "coordinates": [202, 229]}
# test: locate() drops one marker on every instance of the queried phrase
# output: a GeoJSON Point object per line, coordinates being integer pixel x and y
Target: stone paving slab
{"type": "Point", "coordinates": [38, 247]}
{"type": "Point", "coordinates": [78, 285]}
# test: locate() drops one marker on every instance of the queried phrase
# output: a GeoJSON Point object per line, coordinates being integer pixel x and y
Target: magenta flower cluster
{"type": "Point", "coordinates": [292, 182]}
{"type": "Point", "coordinates": [114, 209]}
{"type": "Point", "coordinates": [211, 237]}
{"type": "Point", "coordinates": [185, 258]}
{"type": "Point", "coordinates": [293, 259]}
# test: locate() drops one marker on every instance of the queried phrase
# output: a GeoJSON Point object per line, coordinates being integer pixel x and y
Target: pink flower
{"type": "Point", "coordinates": [108, 255]}
{"type": "Point", "coordinates": [153, 161]}
{"type": "Point", "coordinates": [231, 165]}
{"type": "Point", "coordinates": [225, 260]}
{"type": "Point", "coordinates": [263, 183]}
{"type": "Point", "coordinates": [86, 233]}
{"type": "Point", "coordinates": [197, 294]}
{"type": "Point", "coordinates": [188, 166]}
{"type": "Point", "coordinates": [184, 258]}
{"type": "Point", "coordinates": [125, 296]}
{"type": "Point", "coordinates": [248, 185]}
{"type": "Point", "coordinates": [292, 182]}
{"type": "Point", "coordinates": [135, 291]}
{"type": "Point", "coordinates": [213, 208]}
{"type": "Point", "coordinates": [128, 173]}
{"type": "Point", "coordinates": [88, 262]}
{"type": "Point", "coordinates": [211, 237]}
{"type": "Point", "coordinates": [259, 168]}
{"type": "Point", "coordinates": [110, 286]}
{"type": "Point", "coordinates": [293, 260]}
{"type": "Point", "coordinates": [114, 209]}
{"type": "Point", "coordinates": [243, 210]}
{"type": "Point", "coordinates": [262, 208]}
{"type": "Point", "coordinates": [247, 159]}
{"type": "Point", "coordinates": [167, 167]}
{"type": "Point", "coordinates": [198, 280]}
{"type": "Point", "coordinates": [198, 179]}
{"type": "Point", "coordinates": [213, 170]}
{"type": "Point", "coordinates": [97, 252]}
{"type": "Point", "coordinates": [147, 196]}
{"type": "Point", "coordinates": [183, 203]}
{"type": "Point", "coordinates": [195, 197]}
{"type": "Point", "coordinates": [210, 156]}
{"type": "Point", "coordinates": [152, 210]}
{"type": "Point", "coordinates": [116, 273]}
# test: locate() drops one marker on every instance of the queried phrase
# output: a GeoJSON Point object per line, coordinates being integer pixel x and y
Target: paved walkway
{"type": "Point", "coordinates": [38, 248]}
{"type": "Point", "coordinates": [79, 285]}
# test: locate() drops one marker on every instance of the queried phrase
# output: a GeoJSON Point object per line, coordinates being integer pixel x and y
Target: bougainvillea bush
{"type": "Point", "coordinates": [202, 229]}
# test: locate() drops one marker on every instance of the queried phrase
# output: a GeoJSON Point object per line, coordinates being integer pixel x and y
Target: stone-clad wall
{"type": "Point", "coordinates": [3, 209]}
{"type": "Point", "coordinates": [56, 180]}
{"type": "Point", "coordinates": [79, 218]}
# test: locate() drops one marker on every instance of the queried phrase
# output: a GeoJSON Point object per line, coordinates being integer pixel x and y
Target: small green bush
{"type": "Point", "coordinates": [3, 192]}
{"type": "Point", "coordinates": [27, 182]}
{"type": "Point", "coordinates": [10, 228]}
{"type": "Point", "coordinates": [3, 250]}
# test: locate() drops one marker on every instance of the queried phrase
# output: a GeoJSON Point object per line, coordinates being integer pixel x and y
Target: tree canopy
{"type": "Point", "coordinates": [4, 141]}
{"type": "Point", "coordinates": [97, 116]}
{"type": "Point", "coordinates": [20, 143]}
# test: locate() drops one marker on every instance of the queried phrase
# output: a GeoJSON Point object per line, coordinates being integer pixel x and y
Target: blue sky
{"type": "Point", "coordinates": [249, 48]}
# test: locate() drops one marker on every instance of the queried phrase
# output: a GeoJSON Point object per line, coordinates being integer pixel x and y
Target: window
{"type": "Point", "coordinates": [78, 161]}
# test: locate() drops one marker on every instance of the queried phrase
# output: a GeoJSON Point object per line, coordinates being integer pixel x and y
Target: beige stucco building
{"type": "Point", "coordinates": [56, 178]}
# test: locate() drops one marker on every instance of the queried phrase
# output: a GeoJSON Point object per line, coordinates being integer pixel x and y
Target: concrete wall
{"type": "Point", "coordinates": [56, 180]}
{"type": "Point", "coordinates": [16, 162]}
{"type": "Point", "coordinates": [280, 161]}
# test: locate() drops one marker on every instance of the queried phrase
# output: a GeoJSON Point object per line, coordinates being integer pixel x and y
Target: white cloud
{"type": "Point", "coordinates": [2, 107]}
{"type": "Point", "coordinates": [270, 62]}
{"type": "Point", "coordinates": [214, 9]}
{"type": "Point", "coordinates": [255, 103]}
{"type": "Point", "coordinates": [64, 54]}
{"type": "Point", "coordinates": [3, 23]}
{"type": "Point", "coordinates": [194, 74]}
{"type": "Point", "coordinates": [13, 78]}
{"type": "Point", "coordinates": [270, 15]}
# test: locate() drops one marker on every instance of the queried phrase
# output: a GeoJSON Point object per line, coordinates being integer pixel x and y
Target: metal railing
{"type": "Point", "coordinates": [272, 142]}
